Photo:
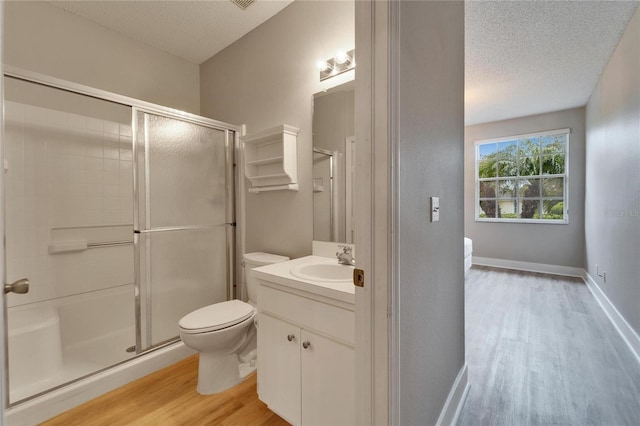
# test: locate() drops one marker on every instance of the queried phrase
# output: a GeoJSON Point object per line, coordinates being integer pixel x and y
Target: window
{"type": "Point", "coordinates": [523, 178]}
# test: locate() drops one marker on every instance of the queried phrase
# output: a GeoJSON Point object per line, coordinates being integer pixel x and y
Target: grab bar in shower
{"type": "Point", "coordinates": [82, 245]}
{"type": "Point", "coordinates": [110, 243]}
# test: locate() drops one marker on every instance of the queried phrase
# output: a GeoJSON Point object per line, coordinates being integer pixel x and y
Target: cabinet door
{"type": "Point", "coordinates": [328, 381]}
{"type": "Point", "coordinates": [279, 367]}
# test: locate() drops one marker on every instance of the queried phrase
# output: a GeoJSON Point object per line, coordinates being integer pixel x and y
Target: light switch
{"type": "Point", "coordinates": [435, 209]}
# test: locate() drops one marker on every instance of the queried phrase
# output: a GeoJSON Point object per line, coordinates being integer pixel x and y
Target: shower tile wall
{"type": "Point", "coordinates": [65, 172]}
{"type": "Point", "coordinates": [68, 178]}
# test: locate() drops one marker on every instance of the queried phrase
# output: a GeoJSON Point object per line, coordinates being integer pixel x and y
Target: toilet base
{"type": "Point", "coordinates": [217, 372]}
{"type": "Point", "coordinates": [246, 368]}
{"type": "Point", "coordinates": [248, 356]}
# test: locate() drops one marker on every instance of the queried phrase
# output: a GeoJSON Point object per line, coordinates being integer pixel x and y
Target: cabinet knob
{"type": "Point", "coordinates": [291, 337]}
{"type": "Point", "coordinates": [306, 344]}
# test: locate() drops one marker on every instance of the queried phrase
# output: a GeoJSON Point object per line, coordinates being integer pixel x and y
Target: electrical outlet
{"type": "Point", "coordinates": [603, 275]}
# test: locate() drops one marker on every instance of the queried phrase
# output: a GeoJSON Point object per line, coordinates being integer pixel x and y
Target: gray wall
{"type": "Point", "coordinates": [267, 78]}
{"type": "Point", "coordinates": [43, 38]}
{"type": "Point", "coordinates": [431, 286]}
{"type": "Point", "coordinates": [530, 242]}
{"type": "Point", "coordinates": [612, 205]}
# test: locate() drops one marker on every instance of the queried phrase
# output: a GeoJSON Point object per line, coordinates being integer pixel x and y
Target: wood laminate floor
{"type": "Point", "coordinates": [168, 397]}
{"type": "Point", "coordinates": [541, 351]}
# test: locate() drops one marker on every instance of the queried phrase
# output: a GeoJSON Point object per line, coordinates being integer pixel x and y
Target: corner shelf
{"type": "Point", "coordinates": [270, 159]}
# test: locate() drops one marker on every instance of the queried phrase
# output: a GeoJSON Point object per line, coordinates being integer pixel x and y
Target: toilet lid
{"type": "Point", "coordinates": [216, 316]}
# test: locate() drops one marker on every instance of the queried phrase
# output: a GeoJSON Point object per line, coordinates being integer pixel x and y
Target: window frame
{"type": "Point", "coordinates": [516, 198]}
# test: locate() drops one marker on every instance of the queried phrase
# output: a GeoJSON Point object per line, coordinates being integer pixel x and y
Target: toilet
{"type": "Point", "coordinates": [224, 333]}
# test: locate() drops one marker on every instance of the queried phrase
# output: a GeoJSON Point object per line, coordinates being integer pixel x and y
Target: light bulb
{"type": "Point", "coordinates": [342, 57]}
{"type": "Point", "coordinates": [323, 66]}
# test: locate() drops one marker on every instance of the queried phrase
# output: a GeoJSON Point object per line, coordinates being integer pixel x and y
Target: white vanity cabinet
{"type": "Point", "coordinates": [306, 356]}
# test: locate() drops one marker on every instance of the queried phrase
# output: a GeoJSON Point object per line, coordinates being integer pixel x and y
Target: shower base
{"type": "Point", "coordinates": [80, 360]}
{"type": "Point", "coordinates": [50, 404]}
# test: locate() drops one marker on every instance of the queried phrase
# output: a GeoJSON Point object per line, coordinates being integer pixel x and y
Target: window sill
{"type": "Point", "coordinates": [538, 221]}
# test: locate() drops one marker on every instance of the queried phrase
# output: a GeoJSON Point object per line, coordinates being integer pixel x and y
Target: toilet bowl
{"type": "Point", "coordinates": [218, 332]}
{"type": "Point", "coordinates": [224, 334]}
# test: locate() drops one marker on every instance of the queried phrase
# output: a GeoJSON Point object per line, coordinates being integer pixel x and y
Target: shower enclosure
{"type": "Point", "coordinates": [121, 215]}
{"type": "Point", "coordinates": [183, 221]}
{"type": "Point", "coordinates": [324, 195]}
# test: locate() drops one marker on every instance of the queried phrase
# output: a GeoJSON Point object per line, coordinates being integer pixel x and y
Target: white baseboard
{"type": "Point", "coordinates": [621, 325]}
{"type": "Point", "coordinates": [529, 266]}
{"type": "Point", "coordinates": [455, 401]}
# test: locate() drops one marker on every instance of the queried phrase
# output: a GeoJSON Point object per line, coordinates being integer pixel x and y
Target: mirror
{"type": "Point", "coordinates": [333, 163]}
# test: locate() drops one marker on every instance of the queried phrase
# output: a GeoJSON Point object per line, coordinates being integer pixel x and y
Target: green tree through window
{"type": "Point", "coordinates": [522, 177]}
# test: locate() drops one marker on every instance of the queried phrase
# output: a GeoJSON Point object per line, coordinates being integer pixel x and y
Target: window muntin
{"type": "Point", "coordinates": [523, 178]}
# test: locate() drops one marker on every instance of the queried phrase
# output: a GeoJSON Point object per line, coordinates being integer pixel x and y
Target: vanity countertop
{"type": "Point", "coordinates": [280, 273]}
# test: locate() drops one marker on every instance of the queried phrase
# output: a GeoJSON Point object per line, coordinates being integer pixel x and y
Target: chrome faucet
{"type": "Point", "coordinates": [345, 257]}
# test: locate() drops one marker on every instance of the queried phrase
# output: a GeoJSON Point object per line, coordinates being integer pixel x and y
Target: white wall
{"type": "Point", "coordinates": [43, 38]}
{"type": "Point", "coordinates": [612, 204]}
{"type": "Point", "coordinates": [530, 242]}
{"type": "Point", "coordinates": [430, 159]}
{"type": "Point", "coordinates": [267, 78]}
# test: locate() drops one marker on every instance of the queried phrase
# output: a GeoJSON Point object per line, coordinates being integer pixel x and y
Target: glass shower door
{"type": "Point", "coordinates": [68, 226]}
{"type": "Point", "coordinates": [184, 221]}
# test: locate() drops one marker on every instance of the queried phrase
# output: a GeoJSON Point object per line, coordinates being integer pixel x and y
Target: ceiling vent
{"type": "Point", "coordinates": [242, 4]}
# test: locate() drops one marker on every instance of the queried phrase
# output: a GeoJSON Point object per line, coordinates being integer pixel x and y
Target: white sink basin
{"type": "Point", "coordinates": [324, 271]}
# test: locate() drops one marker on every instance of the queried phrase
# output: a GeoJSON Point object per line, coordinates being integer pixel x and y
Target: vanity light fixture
{"type": "Point", "coordinates": [342, 62]}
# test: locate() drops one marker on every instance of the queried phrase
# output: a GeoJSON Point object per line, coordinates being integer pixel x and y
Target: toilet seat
{"type": "Point", "coordinates": [216, 317]}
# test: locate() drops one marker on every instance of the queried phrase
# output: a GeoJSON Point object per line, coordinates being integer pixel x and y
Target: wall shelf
{"type": "Point", "coordinates": [259, 189]}
{"type": "Point", "coordinates": [266, 161]}
{"type": "Point", "coordinates": [270, 159]}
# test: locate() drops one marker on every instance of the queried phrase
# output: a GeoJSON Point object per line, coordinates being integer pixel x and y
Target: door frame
{"type": "Point", "coordinates": [4, 360]}
{"type": "Point", "coordinates": [374, 360]}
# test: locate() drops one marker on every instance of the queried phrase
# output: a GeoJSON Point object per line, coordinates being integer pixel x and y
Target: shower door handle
{"type": "Point", "coordinates": [21, 286]}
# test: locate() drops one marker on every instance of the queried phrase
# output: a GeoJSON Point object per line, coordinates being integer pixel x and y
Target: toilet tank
{"type": "Point", "coordinates": [253, 260]}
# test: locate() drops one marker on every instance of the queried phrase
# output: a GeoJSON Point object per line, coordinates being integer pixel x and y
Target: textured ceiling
{"type": "Point", "coordinates": [193, 30]}
{"type": "Point", "coordinates": [530, 57]}
{"type": "Point", "coordinates": [522, 57]}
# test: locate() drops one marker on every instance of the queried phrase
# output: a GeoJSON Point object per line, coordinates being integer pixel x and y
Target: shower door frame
{"type": "Point", "coordinates": [333, 203]}
{"type": "Point", "coordinates": [230, 189]}
{"type": "Point", "coordinates": [135, 104]}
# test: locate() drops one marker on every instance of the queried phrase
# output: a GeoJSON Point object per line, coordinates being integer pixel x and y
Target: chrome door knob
{"type": "Point", "coordinates": [21, 286]}
{"type": "Point", "coordinates": [306, 344]}
{"type": "Point", "coordinates": [291, 337]}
